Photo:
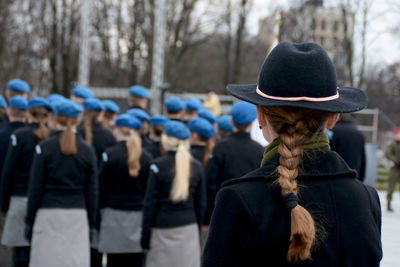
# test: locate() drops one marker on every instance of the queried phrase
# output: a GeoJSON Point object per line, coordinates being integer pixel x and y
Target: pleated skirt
{"type": "Point", "coordinates": [60, 238]}
{"type": "Point", "coordinates": [174, 247]}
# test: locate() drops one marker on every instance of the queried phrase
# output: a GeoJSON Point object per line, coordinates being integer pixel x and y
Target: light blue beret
{"type": "Point", "coordinates": [93, 104]}
{"type": "Point", "coordinates": [139, 91]}
{"type": "Point", "coordinates": [82, 92]}
{"type": "Point", "coordinates": [126, 120]}
{"type": "Point", "coordinates": [68, 108]}
{"type": "Point", "coordinates": [176, 129]}
{"type": "Point", "coordinates": [193, 104]}
{"type": "Point", "coordinates": [174, 104]}
{"type": "Point", "coordinates": [225, 123]}
{"type": "Point", "coordinates": [18, 102]}
{"type": "Point", "coordinates": [18, 86]}
{"type": "Point", "coordinates": [243, 113]}
{"type": "Point", "coordinates": [39, 102]}
{"type": "Point", "coordinates": [110, 106]}
{"type": "Point", "coordinates": [139, 113]}
{"type": "Point", "coordinates": [3, 103]}
{"type": "Point", "coordinates": [206, 114]}
{"type": "Point", "coordinates": [158, 120]}
{"type": "Point", "coordinates": [55, 97]}
{"type": "Point", "coordinates": [202, 127]}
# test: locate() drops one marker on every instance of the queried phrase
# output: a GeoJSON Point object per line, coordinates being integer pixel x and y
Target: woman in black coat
{"type": "Point", "coordinates": [123, 177]}
{"type": "Point", "coordinates": [304, 206]}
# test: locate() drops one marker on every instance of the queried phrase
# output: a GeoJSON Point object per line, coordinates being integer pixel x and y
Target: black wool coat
{"type": "Point", "coordinates": [250, 225]}
{"type": "Point", "coordinates": [5, 133]}
{"type": "Point", "coordinates": [349, 143]}
{"type": "Point", "coordinates": [232, 157]}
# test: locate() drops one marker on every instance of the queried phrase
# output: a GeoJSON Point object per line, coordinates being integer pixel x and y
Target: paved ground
{"type": "Point", "coordinates": [391, 231]}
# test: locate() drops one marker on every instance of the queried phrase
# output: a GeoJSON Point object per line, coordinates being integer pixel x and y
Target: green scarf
{"type": "Point", "coordinates": [319, 141]}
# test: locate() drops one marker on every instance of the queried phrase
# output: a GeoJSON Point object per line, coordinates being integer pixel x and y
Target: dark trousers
{"type": "Point", "coordinates": [96, 258]}
{"type": "Point", "coordinates": [21, 256]}
{"type": "Point", "coordinates": [125, 259]}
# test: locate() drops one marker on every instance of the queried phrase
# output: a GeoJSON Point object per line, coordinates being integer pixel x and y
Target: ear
{"type": "Point", "coordinates": [332, 119]}
{"type": "Point", "coordinates": [260, 116]}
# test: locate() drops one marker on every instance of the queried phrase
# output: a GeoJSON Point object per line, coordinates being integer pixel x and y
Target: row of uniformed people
{"type": "Point", "coordinates": [201, 132]}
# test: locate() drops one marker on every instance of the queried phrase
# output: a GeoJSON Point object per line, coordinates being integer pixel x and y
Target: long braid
{"type": "Point", "coordinates": [294, 126]}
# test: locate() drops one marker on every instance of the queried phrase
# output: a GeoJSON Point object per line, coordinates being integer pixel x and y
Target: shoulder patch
{"type": "Point", "coordinates": [38, 150]}
{"type": "Point", "coordinates": [13, 140]}
{"type": "Point", "coordinates": [154, 168]}
{"type": "Point", "coordinates": [210, 156]}
{"type": "Point", "coordinates": [105, 156]}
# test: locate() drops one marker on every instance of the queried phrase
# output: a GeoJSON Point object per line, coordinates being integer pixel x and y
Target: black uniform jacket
{"type": "Point", "coordinates": [250, 225]}
{"type": "Point", "coordinates": [60, 181]}
{"type": "Point", "coordinates": [197, 152]}
{"type": "Point", "coordinates": [17, 165]}
{"type": "Point", "coordinates": [118, 190]}
{"type": "Point", "coordinates": [102, 138]}
{"type": "Point", "coordinates": [153, 147]}
{"type": "Point", "coordinates": [4, 121]}
{"type": "Point", "coordinates": [349, 143]}
{"type": "Point", "coordinates": [5, 134]}
{"type": "Point", "coordinates": [159, 211]}
{"type": "Point", "coordinates": [232, 157]}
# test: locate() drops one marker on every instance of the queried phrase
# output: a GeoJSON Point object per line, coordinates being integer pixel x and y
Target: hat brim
{"type": "Point", "coordinates": [350, 99]}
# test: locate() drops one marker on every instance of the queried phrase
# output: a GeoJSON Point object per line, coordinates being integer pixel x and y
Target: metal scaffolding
{"type": "Point", "coordinates": [84, 47]}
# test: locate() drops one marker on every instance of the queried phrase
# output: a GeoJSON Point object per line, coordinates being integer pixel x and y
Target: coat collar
{"type": "Point", "coordinates": [317, 163]}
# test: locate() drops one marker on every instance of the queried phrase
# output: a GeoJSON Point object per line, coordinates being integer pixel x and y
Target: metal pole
{"type": "Point", "coordinates": [157, 74]}
{"type": "Point", "coordinates": [84, 47]}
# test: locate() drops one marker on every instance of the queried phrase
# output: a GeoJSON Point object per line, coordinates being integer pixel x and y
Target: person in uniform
{"type": "Point", "coordinates": [3, 108]}
{"type": "Point", "coordinates": [174, 108]}
{"type": "Point", "coordinates": [349, 143]}
{"type": "Point", "coordinates": [80, 93]}
{"type": "Point", "coordinates": [111, 110]}
{"type": "Point", "coordinates": [224, 126]}
{"type": "Point", "coordinates": [15, 177]}
{"type": "Point", "coordinates": [17, 118]}
{"type": "Point", "coordinates": [144, 119]}
{"type": "Point", "coordinates": [54, 100]}
{"type": "Point", "coordinates": [123, 178]}
{"type": "Point", "coordinates": [62, 195]}
{"type": "Point", "coordinates": [15, 87]}
{"type": "Point", "coordinates": [304, 205]}
{"type": "Point", "coordinates": [156, 129]}
{"type": "Point", "coordinates": [233, 156]}
{"type": "Point", "coordinates": [192, 105]}
{"type": "Point", "coordinates": [138, 97]}
{"type": "Point", "coordinates": [392, 153]}
{"type": "Point", "coordinates": [202, 139]}
{"type": "Point", "coordinates": [208, 115]}
{"type": "Point", "coordinates": [174, 203]}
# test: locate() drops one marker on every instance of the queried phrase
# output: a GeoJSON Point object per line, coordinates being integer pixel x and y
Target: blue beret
{"type": "Point", "coordinates": [18, 86]}
{"type": "Point", "coordinates": [202, 127]}
{"type": "Point", "coordinates": [174, 104]}
{"type": "Point", "coordinates": [176, 129]}
{"type": "Point", "coordinates": [206, 114]}
{"type": "Point", "coordinates": [55, 97]}
{"type": "Point", "coordinates": [126, 120]}
{"type": "Point", "coordinates": [68, 108]}
{"type": "Point", "coordinates": [159, 120]}
{"type": "Point", "coordinates": [3, 103]}
{"type": "Point", "coordinates": [82, 92]}
{"type": "Point", "coordinates": [225, 123]}
{"type": "Point", "coordinates": [18, 102]}
{"type": "Point", "coordinates": [193, 104]}
{"type": "Point", "coordinates": [139, 113]}
{"type": "Point", "coordinates": [243, 113]}
{"type": "Point", "coordinates": [93, 104]}
{"type": "Point", "coordinates": [139, 91]}
{"type": "Point", "coordinates": [39, 102]}
{"type": "Point", "coordinates": [110, 106]}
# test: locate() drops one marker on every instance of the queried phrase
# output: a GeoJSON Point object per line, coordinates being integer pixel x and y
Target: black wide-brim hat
{"type": "Point", "coordinates": [301, 76]}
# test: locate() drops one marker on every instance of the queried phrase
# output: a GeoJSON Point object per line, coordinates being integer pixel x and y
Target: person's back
{"type": "Point", "coordinates": [256, 208]}
{"type": "Point", "coordinates": [349, 143]}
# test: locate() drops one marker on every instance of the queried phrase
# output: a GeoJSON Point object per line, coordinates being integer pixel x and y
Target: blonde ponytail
{"type": "Point", "coordinates": [293, 126]}
{"type": "Point", "coordinates": [67, 138]}
{"type": "Point", "coordinates": [180, 185]}
{"type": "Point", "coordinates": [134, 148]}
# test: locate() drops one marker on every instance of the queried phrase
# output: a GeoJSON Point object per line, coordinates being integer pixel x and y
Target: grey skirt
{"type": "Point", "coordinates": [60, 238]}
{"type": "Point", "coordinates": [120, 231]}
{"type": "Point", "coordinates": [174, 247]}
{"type": "Point", "coordinates": [14, 227]}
